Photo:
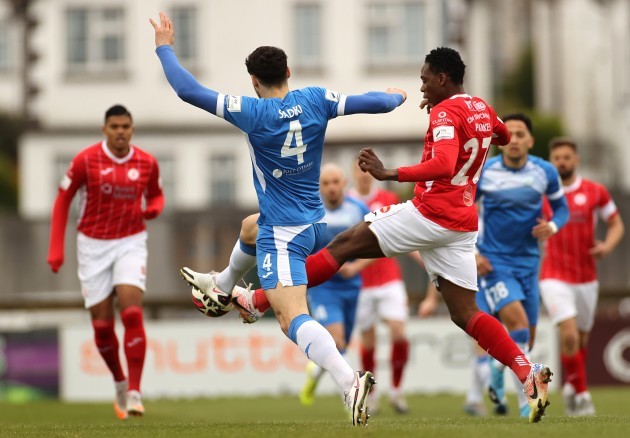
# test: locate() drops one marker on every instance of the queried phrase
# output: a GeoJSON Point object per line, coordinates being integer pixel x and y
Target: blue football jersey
{"type": "Point", "coordinates": [510, 202]}
{"type": "Point", "coordinates": [286, 140]}
{"type": "Point", "coordinates": [348, 214]}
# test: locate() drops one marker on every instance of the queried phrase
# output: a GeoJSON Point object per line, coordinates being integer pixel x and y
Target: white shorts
{"type": "Point", "coordinates": [449, 254]}
{"type": "Point", "coordinates": [104, 264]}
{"type": "Point", "coordinates": [385, 302]}
{"type": "Point", "coordinates": [565, 300]}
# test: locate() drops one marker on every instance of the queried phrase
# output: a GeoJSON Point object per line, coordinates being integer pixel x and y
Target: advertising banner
{"type": "Point", "coordinates": [608, 360]}
{"type": "Point", "coordinates": [223, 357]}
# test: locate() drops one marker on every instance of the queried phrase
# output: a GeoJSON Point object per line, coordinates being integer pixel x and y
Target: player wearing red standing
{"type": "Point", "coordinates": [441, 220]}
{"type": "Point", "coordinates": [112, 178]}
{"type": "Point", "coordinates": [569, 285]}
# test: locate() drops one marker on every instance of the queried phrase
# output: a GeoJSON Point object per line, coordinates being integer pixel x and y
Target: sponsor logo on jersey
{"type": "Point", "coordinates": [65, 182]}
{"type": "Point", "coordinates": [384, 209]}
{"type": "Point", "coordinates": [442, 114]}
{"type": "Point", "coordinates": [291, 112]}
{"type": "Point", "coordinates": [107, 189]}
{"type": "Point", "coordinates": [234, 104]}
{"type": "Point", "coordinates": [332, 96]}
{"type": "Point", "coordinates": [133, 174]}
{"type": "Point", "coordinates": [443, 133]}
{"type": "Point", "coordinates": [277, 173]}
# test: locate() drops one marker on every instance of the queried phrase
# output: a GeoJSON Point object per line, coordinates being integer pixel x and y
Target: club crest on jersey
{"type": "Point", "coordinates": [133, 174]}
{"type": "Point", "coordinates": [234, 104]}
{"type": "Point", "coordinates": [332, 96]}
{"type": "Point", "coordinates": [443, 133]}
{"type": "Point", "coordinates": [579, 199]}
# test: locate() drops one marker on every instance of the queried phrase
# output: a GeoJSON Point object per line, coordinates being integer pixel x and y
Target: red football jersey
{"type": "Point", "coordinates": [566, 255]}
{"type": "Point", "coordinates": [111, 190]}
{"type": "Point", "coordinates": [463, 125]}
{"type": "Point", "coordinates": [383, 270]}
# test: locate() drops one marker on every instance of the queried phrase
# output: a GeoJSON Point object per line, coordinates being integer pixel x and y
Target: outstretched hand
{"type": "Point", "coordinates": [369, 162]}
{"type": "Point", "coordinates": [397, 91]}
{"type": "Point", "coordinates": [164, 33]}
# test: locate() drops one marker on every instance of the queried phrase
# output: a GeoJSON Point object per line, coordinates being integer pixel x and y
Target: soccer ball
{"type": "Point", "coordinates": [214, 306]}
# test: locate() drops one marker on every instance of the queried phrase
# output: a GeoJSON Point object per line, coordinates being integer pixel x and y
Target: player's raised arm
{"type": "Point", "coordinates": [375, 102]}
{"type": "Point", "coordinates": [185, 84]}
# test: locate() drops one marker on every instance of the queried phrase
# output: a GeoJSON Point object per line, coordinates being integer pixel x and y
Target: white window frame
{"type": "Point", "coordinates": [305, 60]}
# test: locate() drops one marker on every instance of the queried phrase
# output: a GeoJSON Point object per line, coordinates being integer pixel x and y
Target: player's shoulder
{"type": "Point", "coordinates": [542, 163]}
{"type": "Point", "coordinates": [494, 162]}
{"type": "Point", "coordinates": [143, 154]}
{"type": "Point", "coordinates": [318, 93]}
{"type": "Point", "coordinates": [89, 152]}
{"type": "Point", "coordinates": [355, 203]}
{"type": "Point", "coordinates": [387, 196]}
{"type": "Point", "coordinates": [593, 185]}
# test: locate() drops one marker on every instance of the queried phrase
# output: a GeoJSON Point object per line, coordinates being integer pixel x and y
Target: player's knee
{"type": "Point", "coordinates": [249, 229]}
{"type": "Point", "coordinates": [570, 343]}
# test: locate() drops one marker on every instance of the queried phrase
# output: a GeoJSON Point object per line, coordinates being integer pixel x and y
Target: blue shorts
{"type": "Point", "coordinates": [334, 302]}
{"type": "Point", "coordinates": [504, 285]}
{"type": "Point", "coordinates": [281, 253]}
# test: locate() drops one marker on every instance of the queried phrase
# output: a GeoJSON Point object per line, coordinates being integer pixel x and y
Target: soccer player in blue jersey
{"type": "Point", "coordinates": [511, 227]}
{"type": "Point", "coordinates": [285, 133]}
{"type": "Point", "coordinates": [334, 303]}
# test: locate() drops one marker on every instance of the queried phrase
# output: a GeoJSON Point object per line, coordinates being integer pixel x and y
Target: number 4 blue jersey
{"type": "Point", "coordinates": [286, 141]}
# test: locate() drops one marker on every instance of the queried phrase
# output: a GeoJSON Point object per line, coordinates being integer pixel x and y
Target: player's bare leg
{"type": "Point", "coordinates": [493, 338]}
{"type": "Point", "coordinates": [102, 315]}
{"type": "Point", "coordinates": [289, 305]}
{"type": "Point", "coordinates": [135, 344]}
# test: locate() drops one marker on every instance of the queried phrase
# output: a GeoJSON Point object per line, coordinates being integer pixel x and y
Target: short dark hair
{"type": "Point", "coordinates": [557, 142]}
{"type": "Point", "coordinates": [117, 110]}
{"type": "Point", "coordinates": [268, 64]}
{"type": "Point", "coordinates": [447, 60]}
{"type": "Point", "coordinates": [521, 117]}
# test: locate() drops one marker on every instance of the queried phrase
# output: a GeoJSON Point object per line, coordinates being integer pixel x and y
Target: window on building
{"type": "Point", "coordinates": [5, 41]}
{"type": "Point", "coordinates": [308, 36]}
{"type": "Point", "coordinates": [395, 33]}
{"type": "Point", "coordinates": [95, 39]}
{"type": "Point", "coordinates": [185, 26]}
{"type": "Point", "coordinates": [222, 179]}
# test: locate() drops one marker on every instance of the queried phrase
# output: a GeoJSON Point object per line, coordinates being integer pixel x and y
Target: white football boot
{"type": "Point", "coordinates": [535, 389]}
{"type": "Point", "coordinates": [356, 397]}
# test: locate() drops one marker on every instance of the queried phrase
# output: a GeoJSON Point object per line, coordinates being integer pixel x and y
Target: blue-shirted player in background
{"type": "Point", "coordinates": [511, 225]}
{"type": "Point", "coordinates": [334, 303]}
{"type": "Point", "coordinates": [285, 133]}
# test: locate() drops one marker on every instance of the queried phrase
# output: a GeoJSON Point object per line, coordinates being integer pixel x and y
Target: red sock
{"type": "Point", "coordinates": [583, 355]}
{"type": "Point", "coordinates": [400, 354]}
{"type": "Point", "coordinates": [367, 359]}
{"type": "Point", "coordinates": [320, 267]}
{"type": "Point", "coordinates": [135, 344]}
{"type": "Point", "coordinates": [574, 373]}
{"type": "Point", "coordinates": [107, 344]}
{"type": "Point", "coordinates": [492, 337]}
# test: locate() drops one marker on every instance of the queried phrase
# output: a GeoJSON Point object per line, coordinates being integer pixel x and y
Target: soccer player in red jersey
{"type": "Point", "coordinates": [441, 220]}
{"type": "Point", "coordinates": [569, 285]}
{"type": "Point", "coordinates": [383, 297]}
{"type": "Point", "coordinates": [112, 177]}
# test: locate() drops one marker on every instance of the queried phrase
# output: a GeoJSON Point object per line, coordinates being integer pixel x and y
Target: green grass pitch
{"type": "Point", "coordinates": [430, 416]}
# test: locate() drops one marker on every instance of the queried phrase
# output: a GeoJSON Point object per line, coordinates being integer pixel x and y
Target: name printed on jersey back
{"type": "Point", "coordinates": [291, 112]}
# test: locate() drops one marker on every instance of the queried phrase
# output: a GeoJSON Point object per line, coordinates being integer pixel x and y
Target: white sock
{"type": "Point", "coordinates": [319, 346]}
{"type": "Point", "coordinates": [240, 263]}
{"type": "Point", "coordinates": [480, 379]}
